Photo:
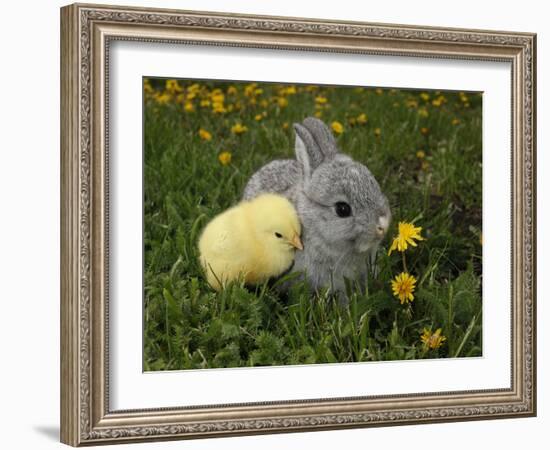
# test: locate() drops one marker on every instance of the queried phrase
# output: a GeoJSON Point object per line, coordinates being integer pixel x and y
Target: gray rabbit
{"type": "Point", "coordinates": [343, 212]}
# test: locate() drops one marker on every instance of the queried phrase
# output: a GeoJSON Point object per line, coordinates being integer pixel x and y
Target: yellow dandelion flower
{"type": "Point", "coordinates": [258, 91]}
{"type": "Point", "coordinates": [224, 158]}
{"type": "Point", "coordinates": [423, 112]}
{"type": "Point", "coordinates": [318, 114]}
{"type": "Point", "coordinates": [289, 90]}
{"type": "Point", "coordinates": [239, 128]}
{"type": "Point", "coordinates": [379, 91]}
{"type": "Point", "coordinates": [432, 340]}
{"type": "Point", "coordinates": [403, 287]}
{"type": "Point", "coordinates": [455, 121]}
{"type": "Point", "coordinates": [218, 108]}
{"type": "Point", "coordinates": [420, 154]}
{"type": "Point", "coordinates": [282, 102]}
{"type": "Point", "coordinates": [258, 117]}
{"type": "Point", "coordinates": [362, 119]}
{"type": "Point", "coordinates": [425, 96]}
{"type": "Point", "coordinates": [463, 97]}
{"type": "Point", "coordinates": [205, 103]}
{"type": "Point", "coordinates": [231, 90]}
{"type": "Point", "coordinates": [337, 127]}
{"type": "Point", "coordinates": [352, 120]}
{"type": "Point", "coordinates": [437, 102]}
{"type": "Point", "coordinates": [406, 236]}
{"type": "Point", "coordinates": [424, 131]}
{"type": "Point", "coordinates": [377, 132]}
{"type": "Point", "coordinates": [264, 103]}
{"type": "Point", "coordinates": [205, 135]}
{"type": "Point", "coordinates": [411, 103]}
{"type": "Point", "coordinates": [189, 107]}
{"type": "Point", "coordinates": [249, 89]}
{"type": "Point", "coordinates": [194, 87]}
{"type": "Point", "coordinates": [218, 97]}
{"type": "Point", "coordinates": [284, 126]}
{"type": "Point", "coordinates": [163, 98]}
{"type": "Point", "coordinates": [425, 165]}
{"type": "Point", "coordinates": [173, 86]}
{"type": "Point", "coordinates": [191, 95]}
{"type": "Point", "coordinates": [147, 88]}
{"type": "Point", "coordinates": [320, 100]}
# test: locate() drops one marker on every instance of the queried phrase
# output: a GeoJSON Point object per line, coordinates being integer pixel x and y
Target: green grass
{"type": "Point", "coordinates": [189, 326]}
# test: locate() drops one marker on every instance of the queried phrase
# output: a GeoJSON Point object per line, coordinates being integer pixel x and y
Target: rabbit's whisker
{"type": "Point", "coordinates": [341, 258]}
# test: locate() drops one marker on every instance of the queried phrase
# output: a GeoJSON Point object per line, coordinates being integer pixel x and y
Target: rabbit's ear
{"type": "Point", "coordinates": [308, 153]}
{"type": "Point", "coordinates": [322, 135]}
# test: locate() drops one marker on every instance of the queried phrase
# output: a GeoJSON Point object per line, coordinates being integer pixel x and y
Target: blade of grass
{"type": "Point", "coordinates": [466, 336]}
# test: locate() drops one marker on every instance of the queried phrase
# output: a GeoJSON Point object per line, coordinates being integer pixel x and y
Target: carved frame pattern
{"type": "Point", "coordinates": [87, 31]}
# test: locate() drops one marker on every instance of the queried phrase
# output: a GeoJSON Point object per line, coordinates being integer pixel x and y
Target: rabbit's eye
{"type": "Point", "coordinates": [342, 209]}
{"type": "Point", "coordinates": [279, 235]}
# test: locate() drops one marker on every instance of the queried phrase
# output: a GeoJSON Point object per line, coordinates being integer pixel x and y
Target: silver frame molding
{"type": "Point", "coordinates": [86, 33]}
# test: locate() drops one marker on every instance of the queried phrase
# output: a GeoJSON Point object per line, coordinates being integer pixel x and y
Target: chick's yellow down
{"type": "Point", "coordinates": [255, 240]}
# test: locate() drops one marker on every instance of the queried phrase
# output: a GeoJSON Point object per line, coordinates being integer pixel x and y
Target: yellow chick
{"type": "Point", "coordinates": [255, 240]}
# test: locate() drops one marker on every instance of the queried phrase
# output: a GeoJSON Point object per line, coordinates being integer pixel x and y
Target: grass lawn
{"type": "Point", "coordinates": [423, 147]}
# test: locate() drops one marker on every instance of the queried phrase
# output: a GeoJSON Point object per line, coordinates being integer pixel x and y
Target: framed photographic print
{"type": "Point", "coordinates": [275, 224]}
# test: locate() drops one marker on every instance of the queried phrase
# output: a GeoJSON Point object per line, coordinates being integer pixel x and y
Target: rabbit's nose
{"type": "Point", "coordinates": [382, 226]}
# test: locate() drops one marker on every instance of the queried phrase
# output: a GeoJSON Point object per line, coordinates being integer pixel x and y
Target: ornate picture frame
{"type": "Point", "coordinates": [87, 32]}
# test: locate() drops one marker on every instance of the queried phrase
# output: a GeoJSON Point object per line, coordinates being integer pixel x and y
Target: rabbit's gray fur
{"type": "Point", "coordinates": [334, 247]}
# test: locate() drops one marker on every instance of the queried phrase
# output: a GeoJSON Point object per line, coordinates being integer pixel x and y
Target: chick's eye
{"type": "Point", "coordinates": [342, 209]}
{"type": "Point", "coordinates": [279, 235]}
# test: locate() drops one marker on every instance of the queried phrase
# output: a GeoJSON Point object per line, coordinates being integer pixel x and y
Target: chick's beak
{"type": "Point", "coordinates": [296, 242]}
